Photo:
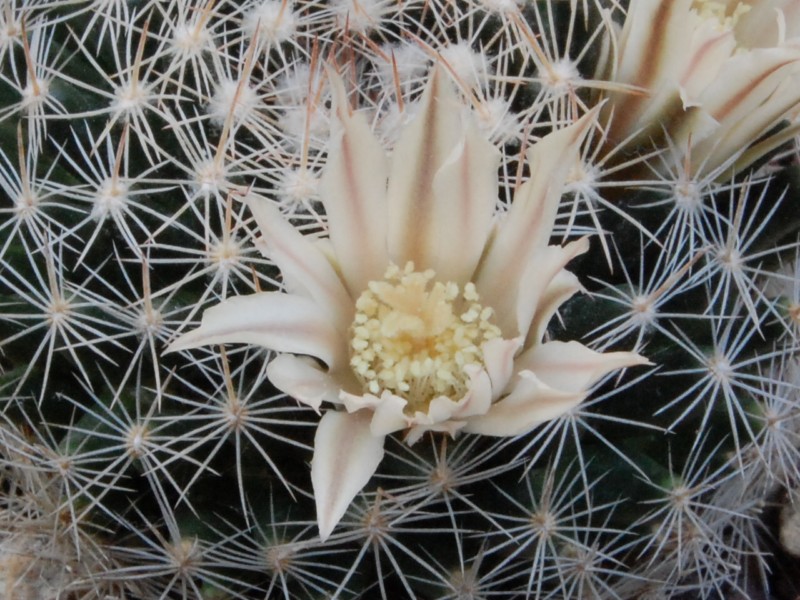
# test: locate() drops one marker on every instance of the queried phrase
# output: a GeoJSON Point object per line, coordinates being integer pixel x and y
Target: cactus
{"type": "Point", "coordinates": [160, 161]}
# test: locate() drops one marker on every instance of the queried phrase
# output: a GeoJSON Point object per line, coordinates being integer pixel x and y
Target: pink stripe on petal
{"type": "Point", "coordinates": [712, 48]}
{"type": "Point", "coordinates": [423, 146]}
{"type": "Point", "coordinates": [527, 227]}
{"type": "Point", "coordinates": [443, 187]}
{"type": "Point", "coordinates": [353, 190]}
{"type": "Point", "coordinates": [460, 219]}
{"type": "Point", "coordinates": [748, 79]}
{"type": "Point", "coordinates": [652, 48]}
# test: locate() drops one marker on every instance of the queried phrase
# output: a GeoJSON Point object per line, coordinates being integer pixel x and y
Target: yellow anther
{"type": "Point", "coordinates": [727, 14]}
{"type": "Point", "coordinates": [414, 336]}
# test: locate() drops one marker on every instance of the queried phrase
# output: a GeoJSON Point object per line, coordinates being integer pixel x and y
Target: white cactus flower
{"type": "Point", "coordinates": [421, 311]}
{"type": "Point", "coordinates": [715, 76]}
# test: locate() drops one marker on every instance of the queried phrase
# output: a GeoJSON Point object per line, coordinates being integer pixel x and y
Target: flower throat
{"type": "Point", "coordinates": [417, 337]}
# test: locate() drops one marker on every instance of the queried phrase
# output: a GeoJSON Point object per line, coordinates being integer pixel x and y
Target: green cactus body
{"type": "Point", "coordinates": [435, 300]}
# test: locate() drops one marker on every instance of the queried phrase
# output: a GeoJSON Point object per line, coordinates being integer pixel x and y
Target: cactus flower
{"type": "Point", "coordinates": [422, 309]}
{"type": "Point", "coordinates": [715, 77]}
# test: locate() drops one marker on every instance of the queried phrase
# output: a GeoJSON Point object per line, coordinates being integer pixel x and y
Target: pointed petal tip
{"type": "Point", "coordinates": [187, 341]}
{"type": "Point", "coordinates": [637, 360]}
{"type": "Point", "coordinates": [325, 530]}
{"type": "Point", "coordinates": [617, 361]}
{"type": "Point", "coordinates": [622, 359]}
{"type": "Point", "coordinates": [567, 140]}
{"type": "Point", "coordinates": [337, 88]}
{"type": "Point", "coordinates": [346, 455]}
{"type": "Point", "coordinates": [353, 192]}
{"type": "Point", "coordinates": [629, 359]}
{"type": "Point", "coordinates": [580, 128]}
{"type": "Point", "coordinates": [589, 118]}
{"type": "Point", "coordinates": [340, 103]}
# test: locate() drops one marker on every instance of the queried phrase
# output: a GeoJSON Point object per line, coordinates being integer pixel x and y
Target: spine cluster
{"type": "Point", "coordinates": [131, 134]}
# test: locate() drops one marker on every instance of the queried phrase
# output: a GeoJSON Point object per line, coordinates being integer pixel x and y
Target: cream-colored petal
{"type": "Point", "coordinates": [563, 286]}
{"type": "Point", "coordinates": [303, 379]}
{"type": "Point", "coordinates": [460, 218]}
{"type": "Point", "coordinates": [479, 397]}
{"type": "Point", "coordinates": [498, 357]}
{"type": "Point", "coordinates": [389, 415]}
{"type": "Point", "coordinates": [475, 402]}
{"type": "Point", "coordinates": [710, 49]}
{"type": "Point", "coordinates": [443, 187]}
{"type": "Point", "coordinates": [531, 403]}
{"type": "Point", "coordinates": [653, 48]}
{"type": "Point", "coordinates": [387, 409]}
{"type": "Point", "coordinates": [449, 416]}
{"type": "Point", "coordinates": [572, 367]}
{"type": "Point", "coordinates": [747, 80]}
{"type": "Point", "coordinates": [353, 191]}
{"type": "Point", "coordinates": [517, 305]}
{"type": "Point", "coordinates": [346, 455]}
{"type": "Point", "coordinates": [303, 265]}
{"type": "Point", "coordinates": [424, 146]}
{"type": "Point", "coordinates": [756, 151]}
{"type": "Point", "coordinates": [768, 23]}
{"type": "Point", "coordinates": [451, 427]}
{"type": "Point", "coordinates": [691, 126]}
{"type": "Point", "coordinates": [653, 40]}
{"type": "Point", "coordinates": [526, 229]}
{"type": "Point", "coordinates": [356, 402]}
{"type": "Point", "coordinates": [736, 134]}
{"type": "Point", "coordinates": [542, 269]}
{"type": "Point", "coordinates": [281, 322]}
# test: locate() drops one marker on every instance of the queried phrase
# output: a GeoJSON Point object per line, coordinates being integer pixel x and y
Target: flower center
{"type": "Point", "coordinates": [416, 337]}
{"type": "Point", "coordinates": [727, 13]}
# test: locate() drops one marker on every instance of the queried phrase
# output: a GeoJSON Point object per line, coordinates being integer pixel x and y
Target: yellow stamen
{"type": "Point", "coordinates": [415, 336]}
{"type": "Point", "coordinates": [727, 14]}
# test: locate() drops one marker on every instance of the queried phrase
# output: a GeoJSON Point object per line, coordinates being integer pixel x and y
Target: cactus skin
{"type": "Point", "coordinates": [131, 134]}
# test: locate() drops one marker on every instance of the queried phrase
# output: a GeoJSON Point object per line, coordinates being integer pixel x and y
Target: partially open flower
{"type": "Point", "coordinates": [714, 76]}
{"type": "Point", "coordinates": [420, 311]}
